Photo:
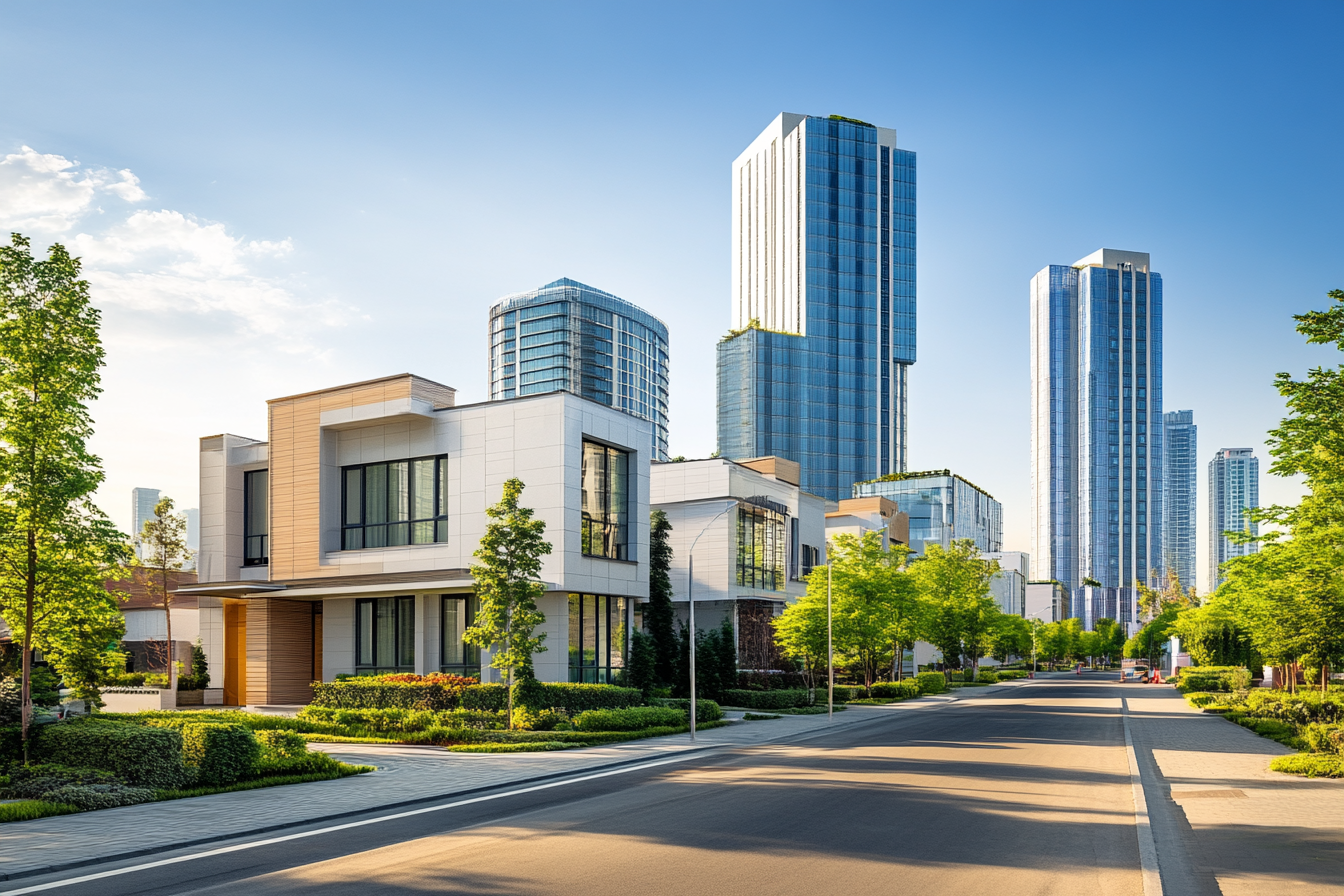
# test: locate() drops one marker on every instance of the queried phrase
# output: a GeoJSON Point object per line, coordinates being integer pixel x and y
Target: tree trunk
{"type": "Point", "coordinates": [168, 623]}
{"type": "Point", "coordinates": [29, 598]}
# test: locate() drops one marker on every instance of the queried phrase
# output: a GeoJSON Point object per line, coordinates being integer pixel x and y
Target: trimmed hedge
{"type": "Point", "coordinates": [987, 676]}
{"type": "Point", "coordinates": [904, 689]}
{"type": "Point", "coordinates": [29, 810]}
{"type": "Point", "coordinates": [281, 744]}
{"type": "Point", "coordinates": [931, 682]}
{"type": "Point", "coordinates": [144, 756]}
{"type": "Point", "coordinates": [1309, 765]}
{"type": "Point", "coordinates": [770, 681]}
{"type": "Point", "coordinates": [222, 754]}
{"type": "Point", "coordinates": [633, 718]}
{"type": "Point", "coordinates": [705, 710]}
{"type": "Point", "coordinates": [1213, 678]}
{"type": "Point", "coordinates": [372, 693]}
{"type": "Point", "coordinates": [780, 699]}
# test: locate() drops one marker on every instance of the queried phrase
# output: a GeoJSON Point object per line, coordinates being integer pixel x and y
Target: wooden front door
{"type": "Point", "coordinates": [235, 654]}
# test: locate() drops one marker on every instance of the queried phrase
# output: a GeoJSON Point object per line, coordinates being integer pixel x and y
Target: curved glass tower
{"type": "Point", "coordinates": [569, 337]}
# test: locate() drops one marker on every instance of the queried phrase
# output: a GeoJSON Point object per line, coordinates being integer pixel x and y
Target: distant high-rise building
{"type": "Point", "coordinates": [1234, 488]}
{"type": "Point", "coordinates": [193, 516]}
{"type": "Point", "coordinates": [943, 508]}
{"type": "Point", "coordinates": [823, 301]}
{"type": "Point", "coordinates": [1178, 530]}
{"type": "Point", "coordinates": [142, 509]}
{"type": "Point", "coordinates": [568, 337]}
{"type": "Point", "coordinates": [1096, 434]}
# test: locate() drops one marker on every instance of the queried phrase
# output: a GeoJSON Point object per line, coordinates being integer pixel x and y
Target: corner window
{"type": "Point", "coordinates": [396, 503]}
{"type": "Point", "coordinates": [606, 502]}
{"type": "Point", "coordinates": [597, 634]}
{"type": "Point", "coordinates": [456, 656]}
{"type": "Point", "coordinates": [761, 548]}
{"type": "Point", "coordinates": [256, 532]}
{"type": "Point", "coordinates": [384, 635]}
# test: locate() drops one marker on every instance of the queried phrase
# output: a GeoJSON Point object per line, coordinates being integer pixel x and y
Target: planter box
{"type": "Point", "coordinates": [138, 699]}
{"type": "Point", "coordinates": [214, 696]}
{"type": "Point", "coordinates": [191, 698]}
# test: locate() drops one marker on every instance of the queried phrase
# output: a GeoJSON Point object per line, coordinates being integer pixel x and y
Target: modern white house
{"type": "Point", "coordinates": [858, 516]}
{"type": "Point", "coordinates": [752, 533]}
{"type": "Point", "coordinates": [342, 543]}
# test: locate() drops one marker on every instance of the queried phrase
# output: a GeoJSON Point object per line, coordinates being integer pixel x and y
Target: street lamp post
{"type": "Point", "coordinates": [690, 600]}
{"type": "Point", "coordinates": [830, 650]}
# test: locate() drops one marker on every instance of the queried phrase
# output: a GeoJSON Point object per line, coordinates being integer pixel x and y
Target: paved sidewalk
{"type": "Point", "coordinates": [1224, 823]}
{"type": "Point", "coordinates": [406, 774]}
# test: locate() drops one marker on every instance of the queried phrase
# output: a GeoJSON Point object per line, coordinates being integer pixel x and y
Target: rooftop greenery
{"type": "Point", "coordinates": [923, 474]}
{"type": "Point", "coordinates": [852, 121]}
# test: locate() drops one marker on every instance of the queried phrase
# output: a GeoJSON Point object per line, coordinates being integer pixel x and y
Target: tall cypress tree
{"type": "Point", "coordinates": [658, 615]}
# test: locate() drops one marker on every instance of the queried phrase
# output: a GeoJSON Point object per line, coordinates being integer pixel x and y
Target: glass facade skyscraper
{"type": "Point", "coordinates": [1097, 431]}
{"type": "Point", "coordinates": [823, 316]}
{"type": "Point", "coordinates": [1234, 488]}
{"type": "Point", "coordinates": [568, 337]}
{"type": "Point", "coordinates": [943, 507]}
{"type": "Point", "coordinates": [1181, 495]}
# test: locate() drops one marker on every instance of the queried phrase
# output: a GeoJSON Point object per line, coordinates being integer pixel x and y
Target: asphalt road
{"type": "Point", "coordinates": [1014, 790]}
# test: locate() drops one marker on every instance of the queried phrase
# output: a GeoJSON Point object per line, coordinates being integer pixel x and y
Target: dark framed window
{"type": "Point", "coordinates": [597, 635]}
{"type": "Point", "coordinates": [256, 525]}
{"type": "Point", "coordinates": [456, 656]}
{"type": "Point", "coordinates": [384, 635]}
{"type": "Point", "coordinates": [394, 503]}
{"type": "Point", "coordinates": [605, 510]}
{"type": "Point", "coordinates": [761, 549]}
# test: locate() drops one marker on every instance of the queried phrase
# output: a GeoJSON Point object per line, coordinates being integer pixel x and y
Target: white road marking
{"type": "Point", "coordinates": [1152, 877]}
{"type": "Point", "coordinates": [270, 841]}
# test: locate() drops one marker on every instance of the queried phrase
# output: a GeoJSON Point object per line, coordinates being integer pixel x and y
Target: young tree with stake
{"type": "Point", "coordinates": [164, 542]}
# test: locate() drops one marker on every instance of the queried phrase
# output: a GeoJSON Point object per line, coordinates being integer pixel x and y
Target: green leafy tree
{"type": "Point", "coordinates": [800, 631]}
{"type": "Point", "coordinates": [1012, 638]}
{"type": "Point", "coordinates": [507, 587]}
{"type": "Point", "coordinates": [959, 613]}
{"type": "Point", "coordinates": [163, 543]}
{"type": "Point", "coordinates": [641, 671]}
{"type": "Point", "coordinates": [1112, 638]}
{"type": "Point", "coordinates": [56, 546]}
{"type": "Point", "coordinates": [658, 613]}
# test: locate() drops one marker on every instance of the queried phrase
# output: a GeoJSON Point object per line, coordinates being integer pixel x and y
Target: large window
{"type": "Point", "coordinates": [396, 503]}
{"type": "Point", "coordinates": [597, 633]}
{"type": "Point", "coordinates": [606, 502]}
{"type": "Point", "coordinates": [761, 548]}
{"type": "Point", "coordinates": [256, 530]}
{"type": "Point", "coordinates": [384, 635]}
{"type": "Point", "coordinates": [456, 656]}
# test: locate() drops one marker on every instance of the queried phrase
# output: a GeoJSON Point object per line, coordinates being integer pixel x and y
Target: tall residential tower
{"type": "Point", "coordinates": [568, 337]}
{"type": "Point", "coordinates": [1234, 488]}
{"type": "Point", "coordinates": [1096, 435]}
{"type": "Point", "coordinates": [1178, 530]}
{"type": "Point", "coordinates": [823, 307]}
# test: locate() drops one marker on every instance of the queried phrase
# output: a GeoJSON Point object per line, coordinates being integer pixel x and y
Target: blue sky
{"type": "Point", "coordinates": [278, 197]}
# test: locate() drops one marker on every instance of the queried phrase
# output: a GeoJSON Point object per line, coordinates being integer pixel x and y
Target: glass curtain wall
{"type": "Point", "coordinates": [456, 656]}
{"type": "Point", "coordinates": [396, 503]}
{"type": "Point", "coordinates": [605, 499]}
{"type": "Point", "coordinates": [598, 630]}
{"type": "Point", "coordinates": [256, 523]}
{"type": "Point", "coordinates": [384, 635]}
{"type": "Point", "coordinates": [761, 549]}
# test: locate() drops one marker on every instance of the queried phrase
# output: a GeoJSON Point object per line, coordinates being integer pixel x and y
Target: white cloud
{"type": "Point", "coordinates": [47, 193]}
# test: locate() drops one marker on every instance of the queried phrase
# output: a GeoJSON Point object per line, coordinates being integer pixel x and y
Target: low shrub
{"type": "Point", "coordinates": [770, 681]}
{"type": "Point", "coordinates": [987, 676]}
{"type": "Point", "coordinates": [30, 810]}
{"type": "Point", "coordinates": [1201, 699]}
{"type": "Point", "coordinates": [842, 693]}
{"type": "Point", "coordinates": [931, 682]}
{"type": "Point", "coordinates": [277, 745]}
{"type": "Point", "coordinates": [308, 763]}
{"type": "Point", "coordinates": [527, 747]}
{"type": "Point", "coordinates": [11, 745]}
{"type": "Point", "coordinates": [254, 720]}
{"type": "Point", "coordinates": [758, 717]}
{"type": "Point", "coordinates": [87, 797]}
{"type": "Point", "coordinates": [222, 754]}
{"type": "Point", "coordinates": [1213, 678]}
{"type": "Point", "coordinates": [1323, 738]}
{"type": "Point", "coordinates": [1309, 765]}
{"type": "Point", "coordinates": [11, 701]}
{"type": "Point", "coordinates": [530, 719]}
{"type": "Point", "coordinates": [486, 697]}
{"type": "Point", "coordinates": [570, 699]}
{"type": "Point", "coordinates": [376, 722]}
{"type": "Point", "coordinates": [1011, 674]}
{"type": "Point", "coordinates": [392, 692]}
{"type": "Point", "coordinates": [705, 710]}
{"type": "Point", "coordinates": [144, 756]}
{"type": "Point", "coordinates": [632, 718]}
{"type": "Point", "coordinates": [83, 788]}
{"type": "Point", "coordinates": [904, 689]}
{"type": "Point", "coordinates": [874, 701]}
{"type": "Point", "coordinates": [779, 699]}
{"type": "Point", "coordinates": [810, 710]}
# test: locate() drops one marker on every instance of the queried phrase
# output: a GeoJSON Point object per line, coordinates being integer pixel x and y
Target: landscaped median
{"type": "Point", "coordinates": [1308, 721]}
{"type": "Point", "coordinates": [109, 761]}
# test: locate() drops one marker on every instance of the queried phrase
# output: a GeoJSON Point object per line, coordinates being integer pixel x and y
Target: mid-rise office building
{"type": "Point", "coordinates": [1096, 440]}
{"type": "Point", "coordinates": [568, 337]}
{"type": "Point", "coordinates": [943, 508]}
{"type": "Point", "coordinates": [1181, 495]}
{"type": "Point", "coordinates": [823, 301]}
{"type": "Point", "coordinates": [143, 502]}
{"type": "Point", "coordinates": [342, 543]}
{"type": "Point", "coordinates": [1234, 488]}
{"type": "Point", "coordinates": [1047, 601]}
{"type": "Point", "coordinates": [1009, 585]}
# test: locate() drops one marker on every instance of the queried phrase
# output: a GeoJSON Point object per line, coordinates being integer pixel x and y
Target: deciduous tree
{"type": "Point", "coordinates": [163, 542]}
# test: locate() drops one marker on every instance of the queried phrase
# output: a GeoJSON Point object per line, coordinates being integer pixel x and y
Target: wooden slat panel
{"type": "Point", "coordinates": [279, 651]}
